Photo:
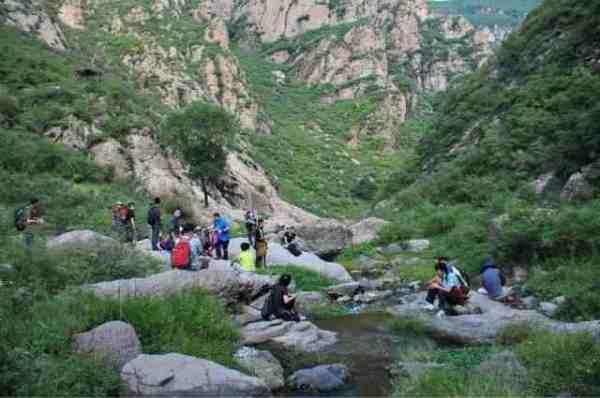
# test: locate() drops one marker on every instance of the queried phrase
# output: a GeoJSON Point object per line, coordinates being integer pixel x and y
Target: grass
{"type": "Point", "coordinates": [410, 326]}
{"type": "Point", "coordinates": [304, 279]}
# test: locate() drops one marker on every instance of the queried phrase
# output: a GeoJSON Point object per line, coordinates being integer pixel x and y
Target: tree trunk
{"type": "Point", "coordinates": [204, 190]}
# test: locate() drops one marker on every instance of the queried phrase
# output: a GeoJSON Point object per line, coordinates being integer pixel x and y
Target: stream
{"type": "Point", "coordinates": [368, 346]}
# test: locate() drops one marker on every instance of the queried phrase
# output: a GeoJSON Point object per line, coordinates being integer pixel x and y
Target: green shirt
{"type": "Point", "coordinates": [247, 261]}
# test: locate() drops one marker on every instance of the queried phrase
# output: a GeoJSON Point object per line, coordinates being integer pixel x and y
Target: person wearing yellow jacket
{"type": "Point", "coordinates": [246, 258]}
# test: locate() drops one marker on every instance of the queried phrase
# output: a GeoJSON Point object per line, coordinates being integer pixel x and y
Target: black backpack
{"type": "Point", "coordinates": [20, 218]}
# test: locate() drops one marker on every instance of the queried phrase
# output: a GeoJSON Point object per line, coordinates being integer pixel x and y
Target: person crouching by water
{"type": "Point", "coordinates": [261, 244]}
{"type": "Point", "coordinates": [280, 303]}
{"type": "Point", "coordinates": [446, 287]}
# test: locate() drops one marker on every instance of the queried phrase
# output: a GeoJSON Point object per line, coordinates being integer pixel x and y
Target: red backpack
{"type": "Point", "coordinates": [181, 255]}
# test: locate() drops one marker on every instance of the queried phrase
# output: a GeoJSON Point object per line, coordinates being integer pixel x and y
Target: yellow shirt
{"type": "Point", "coordinates": [247, 261]}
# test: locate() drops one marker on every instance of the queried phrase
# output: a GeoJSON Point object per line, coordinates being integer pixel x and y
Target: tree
{"type": "Point", "coordinates": [200, 135]}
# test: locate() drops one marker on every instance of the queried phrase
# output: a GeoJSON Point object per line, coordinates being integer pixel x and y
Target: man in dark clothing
{"type": "Point", "coordinates": [155, 222]}
{"type": "Point", "coordinates": [130, 227]}
{"type": "Point", "coordinates": [492, 280]}
{"type": "Point", "coordinates": [27, 217]}
{"type": "Point", "coordinates": [250, 226]}
{"type": "Point", "coordinates": [280, 303]}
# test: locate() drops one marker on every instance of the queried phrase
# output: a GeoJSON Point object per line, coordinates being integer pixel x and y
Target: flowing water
{"type": "Point", "coordinates": [368, 346]}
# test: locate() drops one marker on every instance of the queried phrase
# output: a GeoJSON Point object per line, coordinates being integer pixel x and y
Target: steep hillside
{"type": "Point", "coordinates": [490, 13]}
{"type": "Point", "coordinates": [509, 162]}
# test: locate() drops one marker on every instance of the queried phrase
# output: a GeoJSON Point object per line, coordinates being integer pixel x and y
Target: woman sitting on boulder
{"type": "Point", "coordinates": [280, 303]}
{"type": "Point", "coordinates": [448, 286]}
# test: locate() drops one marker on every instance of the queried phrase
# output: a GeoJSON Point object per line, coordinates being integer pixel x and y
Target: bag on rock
{"type": "Point", "coordinates": [181, 256]}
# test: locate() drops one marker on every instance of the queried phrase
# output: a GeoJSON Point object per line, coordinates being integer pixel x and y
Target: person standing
{"type": "Point", "coordinates": [250, 226]}
{"type": "Point", "coordinates": [261, 244]}
{"type": "Point", "coordinates": [155, 223]}
{"type": "Point", "coordinates": [27, 216]}
{"type": "Point", "coordinates": [222, 226]}
{"type": "Point", "coordinates": [130, 226]}
{"type": "Point", "coordinates": [177, 221]}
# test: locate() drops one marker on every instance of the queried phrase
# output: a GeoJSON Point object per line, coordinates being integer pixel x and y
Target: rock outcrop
{"type": "Point", "coordinates": [79, 239]}
{"type": "Point", "coordinates": [176, 375]}
{"type": "Point", "coordinates": [300, 336]}
{"type": "Point", "coordinates": [30, 16]}
{"type": "Point", "coordinates": [320, 378]}
{"type": "Point", "coordinates": [485, 327]}
{"type": "Point", "coordinates": [366, 230]}
{"type": "Point", "coordinates": [219, 278]}
{"type": "Point", "coordinates": [325, 237]}
{"type": "Point", "coordinates": [114, 342]}
{"type": "Point", "coordinates": [263, 365]}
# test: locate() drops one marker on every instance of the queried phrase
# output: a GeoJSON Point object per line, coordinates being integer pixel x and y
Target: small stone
{"type": "Point", "coordinates": [548, 309]}
{"type": "Point", "coordinates": [371, 297]}
{"type": "Point", "coordinates": [559, 300]}
{"type": "Point", "coordinates": [320, 378]}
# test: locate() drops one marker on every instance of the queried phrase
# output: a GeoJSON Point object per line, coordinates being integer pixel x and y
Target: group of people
{"type": "Point", "coordinates": [451, 286]}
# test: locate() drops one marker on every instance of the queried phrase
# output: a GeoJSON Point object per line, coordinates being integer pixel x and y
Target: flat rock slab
{"type": "Point", "coordinates": [80, 239]}
{"type": "Point", "coordinates": [114, 342]}
{"type": "Point", "coordinates": [320, 378]}
{"type": "Point", "coordinates": [484, 327]}
{"type": "Point", "coordinates": [300, 336]}
{"type": "Point", "coordinates": [278, 255]}
{"type": "Point", "coordinates": [263, 365]}
{"type": "Point", "coordinates": [219, 278]}
{"type": "Point", "coordinates": [176, 375]}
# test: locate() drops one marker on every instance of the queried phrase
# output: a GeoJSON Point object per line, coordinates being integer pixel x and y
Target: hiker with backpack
{"type": "Point", "coordinates": [27, 216]}
{"type": "Point", "coordinates": [130, 226]}
{"type": "Point", "coordinates": [115, 217]}
{"type": "Point", "coordinates": [222, 226]}
{"type": "Point", "coordinates": [280, 303]}
{"type": "Point", "coordinates": [261, 244]}
{"type": "Point", "coordinates": [250, 218]}
{"type": "Point", "coordinates": [155, 223]}
{"type": "Point", "coordinates": [182, 254]}
{"type": "Point", "coordinates": [449, 286]}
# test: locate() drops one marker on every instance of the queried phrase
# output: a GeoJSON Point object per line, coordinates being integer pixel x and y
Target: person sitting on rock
{"type": "Point", "coordinates": [166, 242]}
{"type": "Point", "coordinates": [246, 258]}
{"type": "Point", "coordinates": [446, 286]}
{"type": "Point", "coordinates": [280, 303]}
{"type": "Point", "coordinates": [288, 241]}
{"type": "Point", "coordinates": [493, 281]}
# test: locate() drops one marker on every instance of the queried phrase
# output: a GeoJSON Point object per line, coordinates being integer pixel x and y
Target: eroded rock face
{"type": "Point", "coordinates": [174, 375]}
{"type": "Point", "coordinates": [29, 16]}
{"type": "Point", "coordinates": [114, 342]}
{"type": "Point", "coordinates": [72, 14]}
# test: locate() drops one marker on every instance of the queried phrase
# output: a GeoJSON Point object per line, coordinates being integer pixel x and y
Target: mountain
{"type": "Point", "coordinates": [490, 13]}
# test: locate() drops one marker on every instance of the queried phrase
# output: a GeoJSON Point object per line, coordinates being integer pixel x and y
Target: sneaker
{"type": "Point", "coordinates": [428, 307]}
{"type": "Point", "coordinates": [440, 314]}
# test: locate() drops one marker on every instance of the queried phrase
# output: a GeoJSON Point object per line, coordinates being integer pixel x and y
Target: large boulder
{"type": "Point", "coordinates": [577, 188]}
{"type": "Point", "coordinates": [263, 365]}
{"type": "Point", "coordinates": [176, 375]}
{"type": "Point", "coordinates": [307, 300]}
{"type": "Point", "coordinates": [320, 378]}
{"type": "Point", "coordinates": [366, 230]}
{"type": "Point", "coordinates": [81, 239]}
{"type": "Point", "coordinates": [219, 278]}
{"type": "Point", "coordinates": [114, 342]}
{"type": "Point", "coordinates": [344, 289]}
{"type": "Point", "coordinates": [325, 237]}
{"type": "Point", "coordinates": [300, 336]}
{"type": "Point", "coordinates": [487, 325]}
{"type": "Point", "coordinates": [278, 255]}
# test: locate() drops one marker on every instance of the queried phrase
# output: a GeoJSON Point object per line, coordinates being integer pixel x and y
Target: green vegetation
{"type": "Point", "coordinates": [200, 134]}
{"type": "Point", "coordinates": [305, 280]}
{"type": "Point", "coordinates": [409, 326]}
{"type": "Point", "coordinates": [508, 13]}
{"type": "Point", "coordinates": [554, 364]}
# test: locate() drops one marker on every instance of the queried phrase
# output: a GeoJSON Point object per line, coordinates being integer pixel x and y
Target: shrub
{"type": "Point", "coordinates": [515, 333]}
{"type": "Point", "coordinates": [410, 326]}
{"type": "Point", "coordinates": [559, 363]}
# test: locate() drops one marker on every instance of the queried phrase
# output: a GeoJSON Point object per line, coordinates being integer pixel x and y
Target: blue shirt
{"type": "Point", "coordinates": [450, 280]}
{"type": "Point", "coordinates": [222, 225]}
{"type": "Point", "coordinates": [491, 281]}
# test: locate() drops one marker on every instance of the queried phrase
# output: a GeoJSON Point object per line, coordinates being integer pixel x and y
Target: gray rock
{"type": "Point", "coordinates": [505, 367]}
{"type": "Point", "coordinates": [320, 378]}
{"type": "Point", "coordinates": [415, 285]}
{"type": "Point", "coordinates": [366, 230]}
{"type": "Point", "coordinates": [371, 284]}
{"type": "Point", "coordinates": [247, 315]}
{"type": "Point", "coordinates": [325, 237]}
{"type": "Point", "coordinates": [344, 300]}
{"type": "Point", "coordinates": [114, 342]}
{"type": "Point", "coordinates": [548, 309]}
{"type": "Point", "coordinates": [371, 297]}
{"type": "Point", "coordinates": [306, 300]}
{"type": "Point", "coordinates": [176, 375]}
{"type": "Point", "coordinates": [263, 365]}
{"type": "Point", "coordinates": [417, 245]}
{"type": "Point", "coordinates": [300, 336]}
{"type": "Point", "coordinates": [81, 239]}
{"type": "Point", "coordinates": [485, 327]}
{"type": "Point", "coordinates": [468, 308]}
{"type": "Point", "coordinates": [278, 255]}
{"type": "Point", "coordinates": [145, 246]}
{"type": "Point", "coordinates": [530, 302]}
{"type": "Point", "coordinates": [577, 188]}
{"type": "Point", "coordinates": [559, 300]}
{"type": "Point", "coordinates": [392, 249]}
{"type": "Point", "coordinates": [344, 289]}
{"type": "Point", "coordinates": [220, 279]}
